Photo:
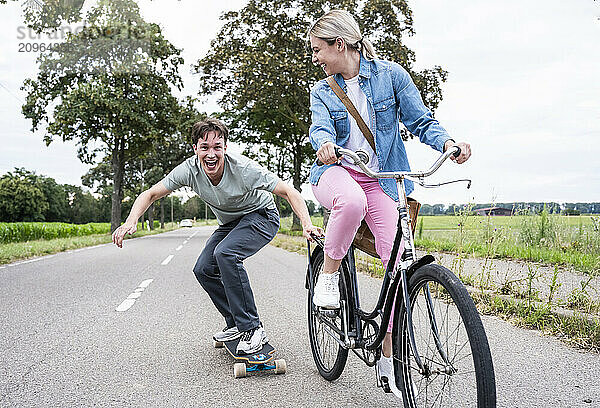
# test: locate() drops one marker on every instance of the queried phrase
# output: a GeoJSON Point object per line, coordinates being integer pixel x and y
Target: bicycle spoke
{"type": "Point", "coordinates": [449, 347]}
{"type": "Point", "coordinates": [455, 362]}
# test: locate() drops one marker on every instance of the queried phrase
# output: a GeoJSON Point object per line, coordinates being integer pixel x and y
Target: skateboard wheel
{"type": "Point", "coordinates": [280, 367]}
{"type": "Point", "coordinates": [218, 344]}
{"type": "Point", "coordinates": [239, 370]}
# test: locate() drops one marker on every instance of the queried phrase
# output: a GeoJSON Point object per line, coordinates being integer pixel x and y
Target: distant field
{"type": "Point", "coordinates": [562, 240]}
{"type": "Point", "coordinates": [30, 231]}
{"type": "Point", "coordinates": [11, 232]}
{"type": "Point", "coordinates": [451, 222]}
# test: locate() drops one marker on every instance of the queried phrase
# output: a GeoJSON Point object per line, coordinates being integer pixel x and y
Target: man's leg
{"type": "Point", "coordinates": [252, 232]}
{"type": "Point", "coordinates": [208, 274]}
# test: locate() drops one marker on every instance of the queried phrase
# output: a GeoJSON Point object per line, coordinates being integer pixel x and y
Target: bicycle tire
{"type": "Point", "coordinates": [333, 367]}
{"type": "Point", "coordinates": [473, 377]}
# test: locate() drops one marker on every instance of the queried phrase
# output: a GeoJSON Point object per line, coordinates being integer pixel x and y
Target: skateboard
{"type": "Point", "coordinates": [262, 360]}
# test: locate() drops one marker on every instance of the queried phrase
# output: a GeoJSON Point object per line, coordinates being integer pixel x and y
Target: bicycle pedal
{"type": "Point", "coordinates": [385, 385]}
{"type": "Point", "coordinates": [330, 313]}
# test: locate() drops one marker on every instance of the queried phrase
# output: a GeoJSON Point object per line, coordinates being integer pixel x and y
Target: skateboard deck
{"type": "Point", "coordinates": [262, 356]}
{"type": "Point", "coordinates": [259, 361]}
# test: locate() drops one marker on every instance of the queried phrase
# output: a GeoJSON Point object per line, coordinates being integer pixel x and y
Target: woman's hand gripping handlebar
{"type": "Point", "coordinates": [361, 159]}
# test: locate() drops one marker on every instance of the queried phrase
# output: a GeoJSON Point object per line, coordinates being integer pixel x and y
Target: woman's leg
{"type": "Point", "coordinates": [382, 219]}
{"type": "Point", "coordinates": [340, 193]}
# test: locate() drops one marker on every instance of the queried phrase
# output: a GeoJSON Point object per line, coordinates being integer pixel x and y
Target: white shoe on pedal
{"type": "Point", "coordinates": [385, 368]}
{"type": "Point", "coordinates": [327, 291]}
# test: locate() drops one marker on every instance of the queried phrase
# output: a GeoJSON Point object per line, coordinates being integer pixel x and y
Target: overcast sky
{"type": "Point", "coordinates": [523, 88]}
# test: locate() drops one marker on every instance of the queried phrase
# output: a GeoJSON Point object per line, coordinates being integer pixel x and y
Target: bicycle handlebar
{"type": "Point", "coordinates": [355, 156]}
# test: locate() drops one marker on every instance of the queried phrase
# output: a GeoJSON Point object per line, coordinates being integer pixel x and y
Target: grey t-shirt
{"type": "Point", "coordinates": [245, 186]}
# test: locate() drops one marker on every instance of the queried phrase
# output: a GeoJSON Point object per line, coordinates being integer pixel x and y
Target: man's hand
{"type": "Point", "coordinates": [119, 234]}
{"type": "Point", "coordinates": [465, 151]}
{"type": "Point", "coordinates": [309, 230]}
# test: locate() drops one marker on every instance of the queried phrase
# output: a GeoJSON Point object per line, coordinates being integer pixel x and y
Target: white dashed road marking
{"type": "Point", "coordinates": [127, 303]}
{"type": "Point", "coordinates": [145, 283]}
{"type": "Point", "coordinates": [179, 247]}
{"type": "Point", "coordinates": [167, 259]}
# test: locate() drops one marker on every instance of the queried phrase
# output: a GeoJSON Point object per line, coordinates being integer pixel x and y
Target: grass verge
{"type": "Point", "coordinates": [551, 239]}
{"type": "Point", "coordinates": [23, 250]}
{"type": "Point", "coordinates": [577, 328]}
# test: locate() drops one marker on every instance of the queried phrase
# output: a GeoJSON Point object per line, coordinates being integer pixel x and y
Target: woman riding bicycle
{"type": "Point", "coordinates": [383, 94]}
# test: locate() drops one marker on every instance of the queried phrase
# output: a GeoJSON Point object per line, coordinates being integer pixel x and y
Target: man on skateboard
{"type": "Point", "coordinates": [238, 191]}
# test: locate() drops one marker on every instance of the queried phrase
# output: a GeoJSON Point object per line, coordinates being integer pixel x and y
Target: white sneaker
{"type": "Point", "coordinates": [228, 334]}
{"type": "Point", "coordinates": [252, 341]}
{"type": "Point", "coordinates": [385, 369]}
{"type": "Point", "coordinates": [327, 291]}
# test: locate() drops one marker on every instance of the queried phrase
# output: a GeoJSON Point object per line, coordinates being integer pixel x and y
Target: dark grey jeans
{"type": "Point", "coordinates": [220, 269]}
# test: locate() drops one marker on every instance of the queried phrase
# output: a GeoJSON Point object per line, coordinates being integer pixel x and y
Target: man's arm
{"type": "Point", "coordinates": [292, 195]}
{"type": "Point", "coordinates": [140, 206]}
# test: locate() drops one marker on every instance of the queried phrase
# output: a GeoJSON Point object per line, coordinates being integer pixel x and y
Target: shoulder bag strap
{"type": "Point", "coordinates": [352, 110]}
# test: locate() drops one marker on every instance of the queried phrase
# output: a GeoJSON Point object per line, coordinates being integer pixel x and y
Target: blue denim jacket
{"type": "Point", "coordinates": [391, 97]}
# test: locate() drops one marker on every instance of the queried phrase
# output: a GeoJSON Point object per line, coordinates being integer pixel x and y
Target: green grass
{"type": "Point", "coordinates": [285, 225]}
{"type": "Point", "coordinates": [523, 310]}
{"type": "Point", "coordinates": [576, 330]}
{"type": "Point", "coordinates": [28, 231]}
{"type": "Point", "coordinates": [572, 241]}
{"type": "Point", "coordinates": [15, 251]}
{"type": "Point", "coordinates": [550, 239]}
{"type": "Point", "coordinates": [450, 222]}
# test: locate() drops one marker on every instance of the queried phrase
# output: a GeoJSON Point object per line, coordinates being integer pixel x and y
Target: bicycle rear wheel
{"type": "Point", "coordinates": [467, 379]}
{"type": "Point", "coordinates": [330, 357]}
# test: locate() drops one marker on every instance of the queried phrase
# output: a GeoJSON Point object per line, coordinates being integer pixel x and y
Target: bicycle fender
{"type": "Point", "coordinates": [427, 259]}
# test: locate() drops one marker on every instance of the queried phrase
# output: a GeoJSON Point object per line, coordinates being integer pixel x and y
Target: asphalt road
{"type": "Point", "coordinates": [105, 326]}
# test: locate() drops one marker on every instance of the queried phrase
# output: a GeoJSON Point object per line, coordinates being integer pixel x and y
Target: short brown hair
{"type": "Point", "coordinates": [200, 129]}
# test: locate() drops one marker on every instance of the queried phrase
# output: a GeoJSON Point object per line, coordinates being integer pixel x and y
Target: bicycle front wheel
{"type": "Point", "coordinates": [451, 342]}
{"type": "Point", "coordinates": [330, 357]}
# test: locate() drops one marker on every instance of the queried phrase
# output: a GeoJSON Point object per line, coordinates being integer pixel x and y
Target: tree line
{"type": "Point", "coordinates": [110, 87]}
{"type": "Point", "coordinates": [29, 197]}
{"type": "Point", "coordinates": [520, 207]}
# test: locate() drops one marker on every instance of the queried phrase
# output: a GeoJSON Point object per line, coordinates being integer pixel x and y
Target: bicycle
{"type": "Point", "coordinates": [435, 319]}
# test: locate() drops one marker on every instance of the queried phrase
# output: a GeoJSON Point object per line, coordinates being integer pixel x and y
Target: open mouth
{"type": "Point", "coordinates": [211, 164]}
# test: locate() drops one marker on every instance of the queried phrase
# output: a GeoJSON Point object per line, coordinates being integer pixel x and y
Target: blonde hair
{"type": "Point", "coordinates": [340, 24]}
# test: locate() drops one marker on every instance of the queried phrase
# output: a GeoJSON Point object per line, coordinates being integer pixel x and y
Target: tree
{"type": "Point", "coordinates": [20, 198]}
{"type": "Point", "coordinates": [83, 207]}
{"type": "Point", "coordinates": [50, 14]}
{"type": "Point", "coordinates": [177, 208]}
{"type": "Point", "coordinates": [195, 208]}
{"type": "Point", "coordinates": [110, 86]}
{"type": "Point", "coordinates": [174, 149]}
{"type": "Point", "coordinates": [56, 197]}
{"type": "Point", "coordinates": [259, 64]}
{"type": "Point", "coordinates": [154, 165]}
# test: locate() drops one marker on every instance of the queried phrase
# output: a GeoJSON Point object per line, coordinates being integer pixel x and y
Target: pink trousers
{"type": "Point", "coordinates": [352, 196]}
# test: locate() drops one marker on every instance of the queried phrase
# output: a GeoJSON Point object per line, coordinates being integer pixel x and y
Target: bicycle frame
{"type": "Point", "coordinates": [396, 273]}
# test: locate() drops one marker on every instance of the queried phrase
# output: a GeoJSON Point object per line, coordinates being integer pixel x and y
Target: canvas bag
{"type": "Point", "coordinates": [364, 239]}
